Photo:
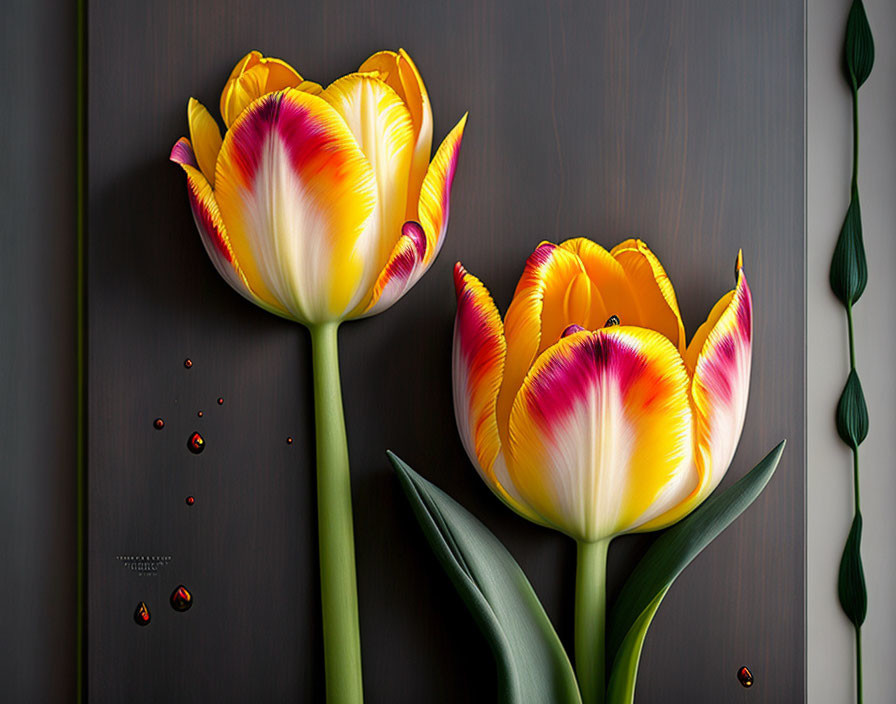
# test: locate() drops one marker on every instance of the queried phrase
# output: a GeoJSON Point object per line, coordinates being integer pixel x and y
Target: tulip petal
{"type": "Point", "coordinates": [211, 228]}
{"type": "Point", "coordinates": [720, 358]}
{"type": "Point", "coordinates": [401, 271]}
{"type": "Point", "coordinates": [610, 280]}
{"type": "Point", "coordinates": [539, 296]}
{"type": "Point", "coordinates": [298, 197]}
{"type": "Point", "coordinates": [254, 76]}
{"type": "Point", "coordinates": [381, 125]}
{"type": "Point", "coordinates": [655, 293]}
{"type": "Point", "coordinates": [205, 136]}
{"type": "Point", "coordinates": [478, 365]}
{"type": "Point", "coordinates": [601, 437]}
{"type": "Point", "coordinates": [435, 194]}
{"type": "Point", "coordinates": [400, 73]}
{"type": "Point", "coordinates": [182, 153]}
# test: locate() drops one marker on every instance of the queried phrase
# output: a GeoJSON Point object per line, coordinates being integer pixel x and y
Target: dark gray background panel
{"type": "Point", "coordinates": [37, 352]}
{"type": "Point", "coordinates": [680, 122]}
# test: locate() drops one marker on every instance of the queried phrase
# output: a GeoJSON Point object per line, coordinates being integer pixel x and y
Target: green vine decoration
{"type": "Point", "coordinates": [849, 275]}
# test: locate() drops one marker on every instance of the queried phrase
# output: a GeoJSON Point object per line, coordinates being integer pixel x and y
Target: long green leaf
{"type": "Point", "coordinates": [533, 667]}
{"type": "Point", "coordinates": [664, 561]}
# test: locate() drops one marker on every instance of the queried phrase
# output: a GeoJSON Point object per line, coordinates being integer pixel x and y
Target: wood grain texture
{"type": "Point", "coordinates": [680, 122]}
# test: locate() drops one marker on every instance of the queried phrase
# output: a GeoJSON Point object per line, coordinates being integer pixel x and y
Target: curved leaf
{"type": "Point", "coordinates": [858, 49]}
{"type": "Point", "coordinates": [533, 667]}
{"type": "Point", "coordinates": [852, 413]}
{"type": "Point", "coordinates": [851, 584]}
{"type": "Point", "coordinates": [849, 268]}
{"type": "Point", "coordinates": [664, 561]}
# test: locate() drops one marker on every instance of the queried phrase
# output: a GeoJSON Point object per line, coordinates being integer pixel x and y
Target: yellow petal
{"type": "Point", "coordinates": [253, 77]}
{"type": "Point", "coordinates": [478, 362]}
{"type": "Point", "coordinates": [381, 125]}
{"type": "Point", "coordinates": [719, 359]}
{"type": "Point", "coordinates": [400, 73]}
{"type": "Point", "coordinates": [601, 432]}
{"type": "Point", "coordinates": [611, 282]}
{"type": "Point", "coordinates": [298, 196]}
{"type": "Point", "coordinates": [653, 289]}
{"type": "Point", "coordinates": [435, 195]}
{"type": "Point", "coordinates": [535, 318]}
{"type": "Point", "coordinates": [211, 227]}
{"type": "Point", "coordinates": [205, 138]}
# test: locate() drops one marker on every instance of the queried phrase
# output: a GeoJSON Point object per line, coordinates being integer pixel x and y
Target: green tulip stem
{"type": "Point", "coordinates": [857, 501]}
{"type": "Point", "coordinates": [338, 582]}
{"type": "Point", "coordinates": [590, 617]}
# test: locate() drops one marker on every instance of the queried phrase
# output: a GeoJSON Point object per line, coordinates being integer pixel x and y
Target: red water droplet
{"type": "Point", "coordinates": [188, 362]}
{"type": "Point", "coordinates": [190, 501]}
{"type": "Point", "coordinates": [141, 614]}
{"type": "Point", "coordinates": [181, 599]}
{"type": "Point", "coordinates": [196, 443]}
{"type": "Point", "coordinates": [220, 401]}
{"type": "Point", "coordinates": [158, 424]}
{"type": "Point", "coordinates": [200, 414]}
{"type": "Point", "coordinates": [745, 677]}
{"type": "Point", "coordinates": [289, 440]}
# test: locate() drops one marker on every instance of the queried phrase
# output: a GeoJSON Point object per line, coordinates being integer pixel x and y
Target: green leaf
{"type": "Point", "coordinates": [851, 584]}
{"type": "Point", "coordinates": [667, 557]}
{"type": "Point", "coordinates": [849, 269]}
{"type": "Point", "coordinates": [533, 667]}
{"type": "Point", "coordinates": [858, 49]}
{"type": "Point", "coordinates": [852, 413]}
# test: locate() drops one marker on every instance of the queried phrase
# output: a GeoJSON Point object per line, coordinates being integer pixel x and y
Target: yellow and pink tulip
{"type": "Point", "coordinates": [587, 411]}
{"type": "Point", "coordinates": [322, 205]}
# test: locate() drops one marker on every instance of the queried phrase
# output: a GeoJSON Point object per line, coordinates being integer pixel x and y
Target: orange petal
{"type": "Point", "coordinates": [601, 432]}
{"type": "Point", "coordinates": [653, 289]}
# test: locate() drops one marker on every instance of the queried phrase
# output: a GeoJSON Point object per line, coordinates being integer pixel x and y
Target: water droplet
{"type": "Point", "coordinates": [141, 614]}
{"type": "Point", "coordinates": [200, 414]}
{"type": "Point", "coordinates": [188, 362]}
{"type": "Point", "coordinates": [190, 501]}
{"type": "Point", "coordinates": [158, 424]}
{"type": "Point", "coordinates": [289, 440]}
{"type": "Point", "coordinates": [220, 401]}
{"type": "Point", "coordinates": [196, 443]}
{"type": "Point", "coordinates": [181, 599]}
{"type": "Point", "coordinates": [612, 320]}
{"type": "Point", "coordinates": [745, 677]}
{"type": "Point", "coordinates": [572, 330]}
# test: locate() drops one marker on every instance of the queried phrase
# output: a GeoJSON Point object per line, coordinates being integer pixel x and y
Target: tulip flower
{"type": "Point", "coordinates": [321, 205]}
{"type": "Point", "coordinates": [586, 411]}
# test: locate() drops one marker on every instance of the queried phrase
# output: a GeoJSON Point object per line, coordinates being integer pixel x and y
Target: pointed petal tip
{"type": "Point", "coordinates": [182, 153]}
{"type": "Point", "coordinates": [460, 274]}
